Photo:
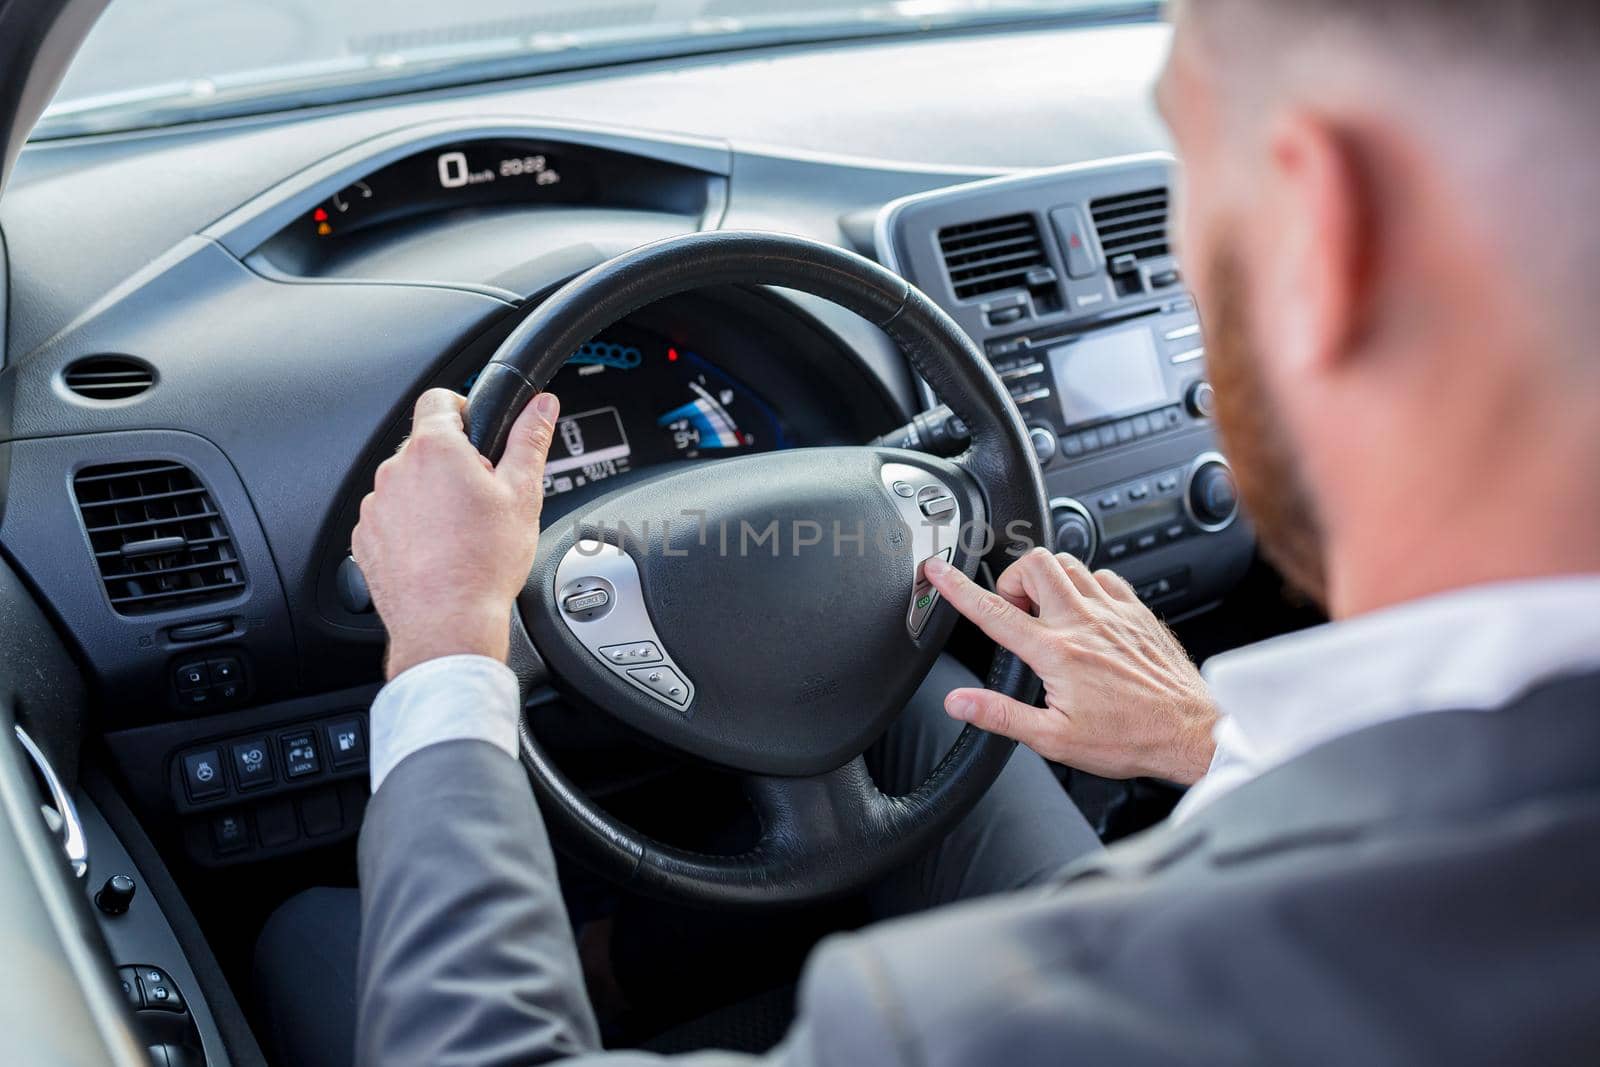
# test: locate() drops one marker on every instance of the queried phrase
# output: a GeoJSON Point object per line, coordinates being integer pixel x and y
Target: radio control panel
{"type": "Point", "coordinates": [1067, 281]}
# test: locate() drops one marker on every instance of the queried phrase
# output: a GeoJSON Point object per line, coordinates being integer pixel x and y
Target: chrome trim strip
{"type": "Point", "coordinates": [73, 841]}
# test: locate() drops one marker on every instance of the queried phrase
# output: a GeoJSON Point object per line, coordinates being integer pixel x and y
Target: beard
{"type": "Point", "coordinates": [1272, 487]}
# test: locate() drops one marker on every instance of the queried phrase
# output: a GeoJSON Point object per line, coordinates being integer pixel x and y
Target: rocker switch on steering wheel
{"type": "Point", "coordinates": [931, 511]}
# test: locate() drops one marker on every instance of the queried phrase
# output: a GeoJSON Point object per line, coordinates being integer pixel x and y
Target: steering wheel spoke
{"type": "Point", "coordinates": [817, 815]}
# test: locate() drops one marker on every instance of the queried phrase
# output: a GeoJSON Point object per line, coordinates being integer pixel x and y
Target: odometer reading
{"type": "Point", "coordinates": [456, 171]}
{"type": "Point", "coordinates": [455, 176]}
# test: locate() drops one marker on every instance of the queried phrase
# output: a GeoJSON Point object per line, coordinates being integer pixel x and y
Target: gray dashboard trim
{"type": "Point", "coordinates": [884, 229]}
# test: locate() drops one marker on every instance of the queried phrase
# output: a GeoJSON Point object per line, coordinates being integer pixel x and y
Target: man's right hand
{"type": "Point", "coordinates": [446, 539]}
{"type": "Point", "coordinates": [1122, 698]}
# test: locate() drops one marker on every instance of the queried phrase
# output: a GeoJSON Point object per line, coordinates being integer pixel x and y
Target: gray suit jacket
{"type": "Point", "coordinates": [1426, 891]}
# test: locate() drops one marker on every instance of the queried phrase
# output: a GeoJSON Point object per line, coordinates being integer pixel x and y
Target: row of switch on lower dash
{"type": "Point", "coordinates": [252, 760]}
{"type": "Point", "coordinates": [278, 822]}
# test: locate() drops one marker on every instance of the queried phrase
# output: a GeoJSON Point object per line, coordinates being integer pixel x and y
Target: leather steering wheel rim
{"type": "Point", "coordinates": [832, 833]}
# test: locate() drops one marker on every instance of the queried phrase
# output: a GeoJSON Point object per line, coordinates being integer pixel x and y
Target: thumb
{"type": "Point", "coordinates": [529, 442]}
{"type": "Point", "coordinates": [995, 714]}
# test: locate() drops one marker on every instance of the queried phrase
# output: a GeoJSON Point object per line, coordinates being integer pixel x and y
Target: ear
{"type": "Point", "coordinates": [1317, 202]}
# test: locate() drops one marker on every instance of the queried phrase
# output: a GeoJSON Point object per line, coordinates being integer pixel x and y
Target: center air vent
{"type": "Point", "coordinates": [987, 257]}
{"type": "Point", "coordinates": [108, 377]}
{"type": "Point", "coordinates": [1132, 225]}
{"type": "Point", "coordinates": [158, 537]}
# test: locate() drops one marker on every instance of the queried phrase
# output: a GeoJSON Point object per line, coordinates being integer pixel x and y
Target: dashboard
{"type": "Point", "coordinates": [215, 333]}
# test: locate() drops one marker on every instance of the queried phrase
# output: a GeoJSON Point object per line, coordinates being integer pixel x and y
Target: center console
{"type": "Point", "coordinates": [1067, 281]}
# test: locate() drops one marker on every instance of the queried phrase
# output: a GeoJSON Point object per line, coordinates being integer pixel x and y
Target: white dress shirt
{"type": "Point", "coordinates": [1474, 649]}
{"type": "Point", "coordinates": [454, 698]}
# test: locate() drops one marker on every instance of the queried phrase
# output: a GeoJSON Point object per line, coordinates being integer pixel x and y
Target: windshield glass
{"type": "Point", "coordinates": [153, 62]}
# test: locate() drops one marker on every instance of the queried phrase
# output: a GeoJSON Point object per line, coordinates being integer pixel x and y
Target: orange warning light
{"type": "Point", "coordinates": [323, 229]}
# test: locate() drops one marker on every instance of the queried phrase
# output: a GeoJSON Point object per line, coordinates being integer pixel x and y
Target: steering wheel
{"type": "Point", "coordinates": [768, 614]}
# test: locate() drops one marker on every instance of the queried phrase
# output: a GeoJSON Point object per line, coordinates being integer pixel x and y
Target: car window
{"type": "Point", "coordinates": [152, 62]}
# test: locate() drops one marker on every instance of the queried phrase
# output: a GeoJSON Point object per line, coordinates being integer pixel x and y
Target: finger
{"type": "Point", "coordinates": [437, 421]}
{"type": "Point", "coordinates": [437, 402]}
{"type": "Point", "coordinates": [1078, 574]}
{"type": "Point", "coordinates": [529, 442]}
{"type": "Point", "coordinates": [1116, 587]}
{"type": "Point", "coordinates": [1003, 621]}
{"type": "Point", "coordinates": [1037, 579]}
{"type": "Point", "coordinates": [996, 714]}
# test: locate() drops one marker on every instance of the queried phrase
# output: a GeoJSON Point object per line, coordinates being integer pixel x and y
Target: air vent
{"type": "Point", "coordinates": [109, 377]}
{"type": "Point", "coordinates": [988, 257]}
{"type": "Point", "coordinates": [158, 537]}
{"type": "Point", "coordinates": [1132, 225]}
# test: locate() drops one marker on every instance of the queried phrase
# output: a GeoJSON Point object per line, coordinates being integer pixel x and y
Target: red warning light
{"type": "Point", "coordinates": [319, 215]}
{"type": "Point", "coordinates": [672, 355]}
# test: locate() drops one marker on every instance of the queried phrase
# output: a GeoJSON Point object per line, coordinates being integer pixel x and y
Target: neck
{"type": "Point", "coordinates": [1423, 535]}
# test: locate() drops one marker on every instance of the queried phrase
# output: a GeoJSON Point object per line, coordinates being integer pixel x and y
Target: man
{"type": "Point", "coordinates": [1389, 852]}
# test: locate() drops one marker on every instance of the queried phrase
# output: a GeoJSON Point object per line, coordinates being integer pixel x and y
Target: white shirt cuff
{"type": "Point", "coordinates": [454, 698]}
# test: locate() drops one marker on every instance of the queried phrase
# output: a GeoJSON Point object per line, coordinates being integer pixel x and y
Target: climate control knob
{"type": "Point", "coordinates": [1201, 399]}
{"type": "Point", "coordinates": [1075, 531]}
{"type": "Point", "coordinates": [1213, 497]}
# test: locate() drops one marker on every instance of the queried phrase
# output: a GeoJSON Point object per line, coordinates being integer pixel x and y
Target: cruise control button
{"type": "Point", "coordinates": [593, 600]}
{"type": "Point", "coordinates": [939, 507]}
{"type": "Point", "coordinates": [924, 597]}
{"type": "Point", "coordinates": [202, 774]}
{"type": "Point", "coordinates": [630, 654]}
{"type": "Point", "coordinates": [663, 681]}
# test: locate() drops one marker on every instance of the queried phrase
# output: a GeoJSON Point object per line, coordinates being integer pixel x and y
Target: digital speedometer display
{"type": "Point", "coordinates": [631, 399]}
{"type": "Point", "coordinates": [456, 175]}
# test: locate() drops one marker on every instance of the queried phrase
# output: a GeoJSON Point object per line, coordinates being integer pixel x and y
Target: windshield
{"type": "Point", "coordinates": [153, 62]}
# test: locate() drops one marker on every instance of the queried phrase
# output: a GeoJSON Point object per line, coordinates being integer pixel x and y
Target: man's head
{"type": "Point", "coordinates": [1389, 217]}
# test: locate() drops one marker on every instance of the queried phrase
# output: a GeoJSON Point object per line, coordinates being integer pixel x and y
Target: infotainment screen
{"type": "Point", "coordinates": [1105, 375]}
